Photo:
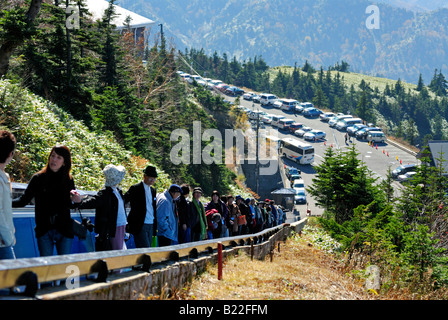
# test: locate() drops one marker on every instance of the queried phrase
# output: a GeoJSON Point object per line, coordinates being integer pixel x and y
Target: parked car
{"type": "Point", "coordinates": [376, 136]}
{"type": "Point", "coordinates": [277, 104]}
{"type": "Point", "coordinates": [284, 123]}
{"type": "Point", "coordinates": [352, 130]}
{"type": "Point", "coordinates": [403, 169]}
{"type": "Point", "coordinates": [325, 117]}
{"type": "Point", "coordinates": [407, 177]}
{"type": "Point", "coordinates": [295, 126]}
{"type": "Point", "coordinates": [267, 118]}
{"type": "Point", "coordinates": [314, 134]}
{"type": "Point", "coordinates": [362, 134]}
{"type": "Point", "coordinates": [276, 120]}
{"type": "Point", "coordinates": [292, 171]}
{"type": "Point", "coordinates": [267, 99]}
{"type": "Point", "coordinates": [311, 112]}
{"type": "Point", "coordinates": [299, 108]}
{"type": "Point", "coordinates": [299, 188]}
{"type": "Point", "coordinates": [302, 131]}
{"type": "Point", "coordinates": [288, 104]}
{"type": "Point", "coordinates": [216, 82]}
{"type": "Point", "coordinates": [248, 96]}
{"type": "Point", "coordinates": [333, 121]}
{"type": "Point", "coordinates": [234, 91]}
{"type": "Point", "coordinates": [300, 196]}
{"type": "Point", "coordinates": [256, 98]}
{"type": "Point", "coordinates": [253, 115]}
{"type": "Point", "coordinates": [343, 124]}
{"type": "Point", "coordinates": [293, 177]}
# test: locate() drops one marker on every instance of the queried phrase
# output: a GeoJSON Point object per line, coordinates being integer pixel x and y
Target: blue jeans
{"type": "Point", "coordinates": [7, 253]}
{"type": "Point", "coordinates": [144, 237]}
{"type": "Point", "coordinates": [52, 238]}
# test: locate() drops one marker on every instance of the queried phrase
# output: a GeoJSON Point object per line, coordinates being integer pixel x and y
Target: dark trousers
{"type": "Point", "coordinates": [164, 241]}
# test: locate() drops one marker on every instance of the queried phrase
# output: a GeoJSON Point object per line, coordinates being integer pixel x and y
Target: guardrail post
{"type": "Point", "coordinates": [29, 280]}
{"type": "Point", "coordinates": [219, 261]}
{"type": "Point", "coordinates": [146, 262]}
{"type": "Point", "coordinates": [100, 266]}
{"type": "Point", "coordinates": [251, 249]}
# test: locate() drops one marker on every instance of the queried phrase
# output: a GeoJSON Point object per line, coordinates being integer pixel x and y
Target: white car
{"type": "Point", "coordinates": [248, 96]}
{"type": "Point", "coordinates": [267, 118]}
{"type": "Point", "coordinates": [326, 116]}
{"type": "Point", "coordinates": [407, 176]}
{"type": "Point", "coordinates": [302, 131]}
{"type": "Point", "coordinates": [314, 134]}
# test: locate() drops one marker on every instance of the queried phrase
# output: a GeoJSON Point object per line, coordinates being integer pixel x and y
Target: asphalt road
{"type": "Point", "coordinates": [378, 158]}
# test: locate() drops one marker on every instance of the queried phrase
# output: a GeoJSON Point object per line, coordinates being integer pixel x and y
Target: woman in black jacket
{"type": "Point", "coordinates": [110, 212]}
{"type": "Point", "coordinates": [52, 188]}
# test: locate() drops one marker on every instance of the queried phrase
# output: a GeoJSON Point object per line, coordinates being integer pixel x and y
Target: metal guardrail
{"type": "Point", "coordinates": [29, 272]}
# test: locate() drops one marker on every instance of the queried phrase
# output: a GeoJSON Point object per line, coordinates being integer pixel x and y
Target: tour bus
{"type": "Point", "coordinates": [302, 153]}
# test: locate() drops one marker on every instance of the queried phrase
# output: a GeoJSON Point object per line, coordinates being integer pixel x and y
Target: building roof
{"type": "Point", "coordinates": [97, 8]}
{"type": "Point", "coordinates": [439, 149]}
{"type": "Point", "coordinates": [284, 191]}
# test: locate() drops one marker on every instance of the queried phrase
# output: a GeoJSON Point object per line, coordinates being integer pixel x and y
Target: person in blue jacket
{"type": "Point", "coordinates": [167, 217]}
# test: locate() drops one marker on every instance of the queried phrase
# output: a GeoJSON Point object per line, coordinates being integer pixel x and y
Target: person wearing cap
{"type": "Point", "coordinates": [167, 217]}
{"type": "Point", "coordinates": [142, 219]}
{"type": "Point", "coordinates": [110, 213]}
{"type": "Point", "coordinates": [199, 226]}
{"type": "Point", "coordinates": [217, 204]}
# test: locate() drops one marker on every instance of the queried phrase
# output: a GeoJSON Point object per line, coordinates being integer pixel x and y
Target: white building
{"type": "Point", "coordinates": [139, 24]}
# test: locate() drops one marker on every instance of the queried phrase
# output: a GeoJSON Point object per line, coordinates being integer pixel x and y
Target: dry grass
{"type": "Point", "coordinates": [298, 271]}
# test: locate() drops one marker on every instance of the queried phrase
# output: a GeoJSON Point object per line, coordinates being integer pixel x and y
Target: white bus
{"type": "Point", "coordinates": [296, 150]}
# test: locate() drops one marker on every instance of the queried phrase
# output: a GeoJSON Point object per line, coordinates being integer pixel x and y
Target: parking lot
{"type": "Point", "coordinates": [378, 157]}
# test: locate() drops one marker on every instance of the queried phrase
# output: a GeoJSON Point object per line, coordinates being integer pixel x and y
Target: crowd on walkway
{"type": "Point", "coordinates": [155, 219]}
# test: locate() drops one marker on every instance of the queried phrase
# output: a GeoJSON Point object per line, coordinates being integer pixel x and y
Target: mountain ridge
{"type": "Point", "coordinates": [406, 44]}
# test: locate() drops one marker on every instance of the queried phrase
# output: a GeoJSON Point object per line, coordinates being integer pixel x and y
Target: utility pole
{"type": "Point", "coordinates": [257, 163]}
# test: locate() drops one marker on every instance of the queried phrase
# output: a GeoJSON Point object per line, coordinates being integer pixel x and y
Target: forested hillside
{"type": "Point", "coordinates": [96, 75]}
{"type": "Point", "coordinates": [286, 32]}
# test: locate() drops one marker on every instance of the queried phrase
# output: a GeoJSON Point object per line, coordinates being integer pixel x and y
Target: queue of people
{"type": "Point", "coordinates": [155, 219]}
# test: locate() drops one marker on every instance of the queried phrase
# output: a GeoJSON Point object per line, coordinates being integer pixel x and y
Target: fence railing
{"type": "Point", "coordinates": [96, 266]}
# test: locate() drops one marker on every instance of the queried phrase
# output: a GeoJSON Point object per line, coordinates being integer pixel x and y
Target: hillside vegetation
{"type": "Point", "coordinates": [96, 78]}
{"type": "Point", "coordinates": [39, 125]}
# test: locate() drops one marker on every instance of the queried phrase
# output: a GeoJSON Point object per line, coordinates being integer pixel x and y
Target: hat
{"type": "Point", "coordinates": [197, 189]}
{"type": "Point", "coordinates": [114, 174]}
{"type": "Point", "coordinates": [150, 171]}
{"type": "Point", "coordinates": [175, 188]}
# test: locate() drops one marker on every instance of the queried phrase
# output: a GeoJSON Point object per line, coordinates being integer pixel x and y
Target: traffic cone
{"type": "Point", "coordinates": [384, 151]}
{"type": "Point", "coordinates": [397, 158]}
{"type": "Point", "coordinates": [387, 153]}
{"type": "Point", "coordinates": [376, 147]}
{"type": "Point", "coordinates": [400, 161]}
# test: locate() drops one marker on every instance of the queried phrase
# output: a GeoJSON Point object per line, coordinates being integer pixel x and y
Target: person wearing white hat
{"type": "Point", "coordinates": [110, 214]}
